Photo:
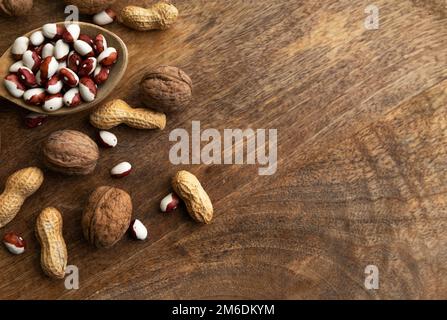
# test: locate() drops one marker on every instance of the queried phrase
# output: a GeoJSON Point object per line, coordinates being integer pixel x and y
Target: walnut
{"type": "Point", "coordinates": [90, 6]}
{"type": "Point", "coordinates": [15, 8]}
{"type": "Point", "coordinates": [166, 89]}
{"type": "Point", "coordinates": [70, 152]}
{"type": "Point", "coordinates": [107, 216]}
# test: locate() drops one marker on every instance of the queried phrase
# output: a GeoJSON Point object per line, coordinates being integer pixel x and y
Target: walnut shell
{"type": "Point", "coordinates": [107, 216]}
{"type": "Point", "coordinates": [15, 8]}
{"type": "Point", "coordinates": [70, 152]}
{"type": "Point", "coordinates": [166, 89]}
{"type": "Point", "coordinates": [90, 6]}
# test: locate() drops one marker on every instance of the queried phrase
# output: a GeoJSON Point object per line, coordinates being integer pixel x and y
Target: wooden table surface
{"type": "Point", "coordinates": [362, 147]}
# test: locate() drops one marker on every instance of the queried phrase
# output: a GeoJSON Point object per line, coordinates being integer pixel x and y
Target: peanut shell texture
{"type": "Point", "coordinates": [197, 201]}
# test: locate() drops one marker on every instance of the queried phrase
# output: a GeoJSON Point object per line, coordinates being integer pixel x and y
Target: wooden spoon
{"type": "Point", "coordinates": [104, 90]}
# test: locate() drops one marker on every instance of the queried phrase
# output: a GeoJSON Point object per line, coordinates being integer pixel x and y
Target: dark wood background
{"type": "Point", "coordinates": [362, 148]}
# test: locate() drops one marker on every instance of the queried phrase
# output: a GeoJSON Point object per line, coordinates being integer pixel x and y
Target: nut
{"type": "Point", "coordinates": [87, 67]}
{"type": "Point", "coordinates": [54, 85]}
{"type": "Point", "coordinates": [106, 216]}
{"type": "Point", "coordinates": [166, 89]}
{"type": "Point", "coordinates": [87, 89]}
{"type": "Point", "coordinates": [31, 60]}
{"type": "Point", "coordinates": [159, 16]}
{"type": "Point", "coordinates": [15, 8]}
{"type": "Point", "coordinates": [14, 243]}
{"type": "Point", "coordinates": [137, 230]}
{"type": "Point", "coordinates": [34, 96]}
{"type": "Point", "coordinates": [53, 102]}
{"type": "Point", "coordinates": [104, 17]}
{"type": "Point", "coordinates": [71, 33]}
{"type": "Point", "coordinates": [107, 139]}
{"type": "Point", "coordinates": [69, 77]}
{"type": "Point", "coordinates": [83, 48]}
{"type": "Point", "coordinates": [108, 57]}
{"type": "Point", "coordinates": [61, 50]}
{"type": "Point", "coordinates": [70, 152]}
{"type": "Point", "coordinates": [72, 98]}
{"type": "Point", "coordinates": [14, 86]}
{"type": "Point", "coordinates": [90, 6]}
{"type": "Point", "coordinates": [197, 201]}
{"type": "Point", "coordinates": [74, 61]}
{"type": "Point", "coordinates": [101, 74]}
{"type": "Point", "coordinates": [121, 170]}
{"type": "Point", "coordinates": [117, 112]}
{"type": "Point", "coordinates": [34, 120]}
{"type": "Point", "coordinates": [100, 43]}
{"type": "Point", "coordinates": [53, 31]}
{"type": "Point", "coordinates": [19, 47]}
{"type": "Point", "coordinates": [37, 38]}
{"type": "Point", "coordinates": [19, 186]}
{"type": "Point", "coordinates": [169, 203]}
{"type": "Point", "coordinates": [47, 50]}
{"type": "Point", "coordinates": [27, 77]}
{"type": "Point", "coordinates": [54, 256]}
{"type": "Point", "coordinates": [48, 68]}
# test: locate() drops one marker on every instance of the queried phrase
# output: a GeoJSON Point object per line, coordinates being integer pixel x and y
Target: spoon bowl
{"type": "Point", "coordinates": [116, 73]}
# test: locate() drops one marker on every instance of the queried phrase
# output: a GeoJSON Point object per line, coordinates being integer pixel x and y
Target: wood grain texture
{"type": "Point", "coordinates": [362, 176]}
